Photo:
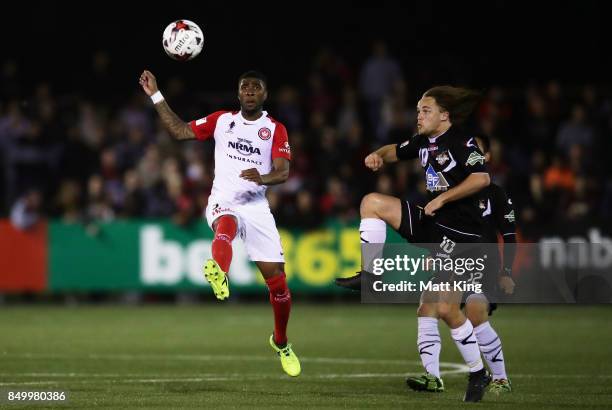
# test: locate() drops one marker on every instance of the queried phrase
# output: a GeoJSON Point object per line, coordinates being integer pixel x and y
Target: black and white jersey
{"type": "Point", "coordinates": [447, 160]}
{"type": "Point", "coordinates": [497, 210]}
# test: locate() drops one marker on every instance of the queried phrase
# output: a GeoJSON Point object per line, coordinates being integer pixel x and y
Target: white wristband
{"type": "Point", "coordinates": [157, 97]}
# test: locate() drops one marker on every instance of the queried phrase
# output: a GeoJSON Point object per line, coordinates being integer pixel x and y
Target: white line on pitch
{"type": "Point", "coordinates": [244, 377]}
{"type": "Point", "coordinates": [334, 360]}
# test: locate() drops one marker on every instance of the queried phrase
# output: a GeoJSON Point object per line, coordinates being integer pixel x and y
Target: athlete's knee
{"type": "Point", "coordinates": [371, 205]}
{"type": "Point", "coordinates": [269, 270]}
{"type": "Point", "coordinates": [226, 225]}
{"type": "Point", "coordinates": [476, 312]}
{"type": "Point", "coordinates": [427, 310]}
{"type": "Point", "coordinates": [226, 219]}
{"type": "Point", "coordinates": [448, 310]}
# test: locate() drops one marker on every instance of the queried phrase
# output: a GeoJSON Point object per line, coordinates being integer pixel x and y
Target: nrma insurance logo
{"type": "Point", "coordinates": [244, 147]}
{"type": "Point", "coordinates": [435, 180]}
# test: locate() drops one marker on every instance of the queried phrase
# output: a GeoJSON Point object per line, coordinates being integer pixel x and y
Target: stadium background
{"type": "Point", "coordinates": [80, 143]}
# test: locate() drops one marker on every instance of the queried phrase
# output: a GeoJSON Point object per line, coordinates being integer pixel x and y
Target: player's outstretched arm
{"type": "Point", "coordinates": [175, 126]}
{"type": "Point", "coordinates": [279, 174]}
{"type": "Point", "coordinates": [384, 155]}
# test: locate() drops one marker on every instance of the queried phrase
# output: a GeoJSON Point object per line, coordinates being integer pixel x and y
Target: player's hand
{"type": "Point", "coordinates": [506, 284]}
{"type": "Point", "coordinates": [148, 83]}
{"type": "Point", "coordinates": [253, 175]}
{"type": "Point", "coordinates": [374, 161]}
{"type": "Point", "coordinates": [433, 206]}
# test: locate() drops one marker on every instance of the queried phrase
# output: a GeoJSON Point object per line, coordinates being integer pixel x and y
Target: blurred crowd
{"type": "Point", "coordinates": [84, 156]}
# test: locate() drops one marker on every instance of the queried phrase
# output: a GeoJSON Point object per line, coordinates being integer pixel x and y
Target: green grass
{"type": "Point", "coordinates": [353, 356]}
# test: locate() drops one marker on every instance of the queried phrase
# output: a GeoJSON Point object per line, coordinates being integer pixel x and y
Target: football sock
{"type": "Point", "coordinates": [468, 346]}
{"type": "Point", "coordinates": [222, 243]}
{"type": "Point", "coordinates": [491, 348]}
{"type": "Point", "coordinates": [429, 344]}
{"type": "Point", "coordinates": [372, 232]}
{"type": "Point", "coordinates": [280, 298]}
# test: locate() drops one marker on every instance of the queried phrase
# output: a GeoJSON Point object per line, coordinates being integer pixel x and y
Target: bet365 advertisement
{"type": "Point", "coordinates": [139, 255]}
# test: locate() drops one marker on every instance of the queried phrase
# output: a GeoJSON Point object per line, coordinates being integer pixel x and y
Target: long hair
{"type": "Point", "coordinates": [458, 102]}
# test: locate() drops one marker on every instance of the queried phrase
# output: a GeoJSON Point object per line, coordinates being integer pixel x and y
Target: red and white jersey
{"type": "Point", "coordinates": [241, 144]}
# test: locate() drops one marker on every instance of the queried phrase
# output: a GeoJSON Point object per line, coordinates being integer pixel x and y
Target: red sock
{"type": "Point", "coordinates": [222, 244]}
{"type": "Point", "coordinates": [280, 298]}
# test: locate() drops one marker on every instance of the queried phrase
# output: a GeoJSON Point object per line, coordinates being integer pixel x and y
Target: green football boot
{"type": "Point", "coordinates": [426, 382]}
{"type": "Point", "coordinates": [289, 361]}
{"type": "Point", "coordinates": [500, 386]}
{"type": "Point", "coordinates": [217, 279]}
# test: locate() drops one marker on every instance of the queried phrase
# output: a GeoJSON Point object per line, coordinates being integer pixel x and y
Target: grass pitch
{"type": "Point", "coordinates": [353, 356]}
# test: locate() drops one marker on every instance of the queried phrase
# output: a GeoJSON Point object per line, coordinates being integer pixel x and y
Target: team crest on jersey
{"type": "Point", "coordinates": [475, 158]}
{"type": "Point", "coordinates": [442, 158]}
{"type": "Point", "coordinates": [510, 216]}
{"type": "Point", "coordinates": [264, 133]}
{"type": "Point", "coordinates": [231, 127]}
{"type": "Point", "coordinates": [435, 180]}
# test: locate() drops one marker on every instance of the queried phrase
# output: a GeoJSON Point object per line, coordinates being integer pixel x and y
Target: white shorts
{"type": "Point", "coordinates": [256, 227]}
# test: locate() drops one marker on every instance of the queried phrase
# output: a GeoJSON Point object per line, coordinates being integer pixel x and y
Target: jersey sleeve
{"type": "Point", "coordinates": [280, 143]}
{"type": "Point", "coordinates": [408, 149]}
{"type": "Point", "coordinates": [204, 128]}
{"type": "Point", "coordinates": [504, 213]}
{"type": "Point", "coordinates": [470, 157]}
{"type": "Point", "coordinates": [506, 225]}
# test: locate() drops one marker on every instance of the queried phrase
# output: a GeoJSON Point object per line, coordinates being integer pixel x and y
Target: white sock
{"type": "Point", "coordinates": [372, 230]}
{"type": "Point", "coordinates": [491, 348]}
{"type": "Point", "coordinates": [468, 346]}
{"type": "Point", "coordinates": [373, 233]}
{"type": "Point", "coordinates": [429, 344]}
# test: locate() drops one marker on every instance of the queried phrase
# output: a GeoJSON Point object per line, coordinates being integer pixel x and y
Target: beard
{"type": "Point", "coordinates": [424, 131]}
{"type": "Point", "coordinates": [428, 132]}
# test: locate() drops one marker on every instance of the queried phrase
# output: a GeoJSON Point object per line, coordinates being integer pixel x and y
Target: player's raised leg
{"type": "Point", "coordinates": [376, 210]}
{"type": "Point", "coordinates": [216, 269]}
{"type": "Point", "coordinates": [280, 299]}
{"type": "Point", "coordinates": [477, 311]}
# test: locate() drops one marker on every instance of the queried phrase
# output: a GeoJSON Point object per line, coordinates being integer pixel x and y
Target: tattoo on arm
{"type": "Point", "coordinates": [175, 126]}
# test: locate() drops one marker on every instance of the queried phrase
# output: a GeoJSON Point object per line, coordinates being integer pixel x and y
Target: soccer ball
{"type": "Point", "coordinates": [183, 40]}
